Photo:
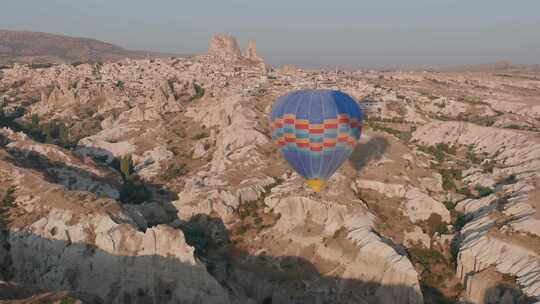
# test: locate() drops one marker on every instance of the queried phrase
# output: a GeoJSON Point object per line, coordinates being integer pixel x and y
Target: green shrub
{"type": "Point", "coordinates": [489, 166]}
{"type": "Point", "coordinates": [425, 257]}
{"type": "Point", "coordinates": [8, 199]}
{"type": "Point", "coordinates": [459, 220]}
{"type": "Point", "coordinates": [511, 179]}
{"type": "Point", "coordinates": [508, 278]}
{"type": "Point", "coordinates": [126, 166]}
{"type": "Point", "coordinates": [242, 229]}
{"type": "Point", "coordinates": [175, 170]}
{"type": "Point", "coordinates": [465, 191]}
{"type": "Point", "coordinates": [445, 148]}
{"type": "Point", "coordinates": [516, 127]}
{"type": "Point", "coordinates": [63, 133]}
{"type": "Point", "coordinates": [34, 125]}
{"type": "Point", "coordinates": [436, 151]}
{"type": "Point", "coordinates": [134, 192]}
{"type": "Point", "coordinates": [473, 158]}
{"type": "Point", "coordinates": [483, 191]}
{"type": "Point", "coordinates": [449, 205]}
{"type": "Point", "coordinates": [434, 224]}
{"type": "Point", "coordinates": [454, 252]}
{"type": "Point", "coordinates": [40, 65]}
{"type": "Point", "coordinates": [51, 132]}
{"type": "Point", "coordinates": [448, 177]}
{"type": "Point", "coordinates": [5, 203]}
{"type": "Point", "coordinates": [200, 135]}
{"type": "Point", "coordinates": [441, 105]}
{"type": "Point", "coordinates": [405, 136]}
{"type": "Point", "coordinates": [67, 301]}
{"type": "Point", "coordinates": [199, 92]}
{"type": "Point", "coordinates": [197, 237]}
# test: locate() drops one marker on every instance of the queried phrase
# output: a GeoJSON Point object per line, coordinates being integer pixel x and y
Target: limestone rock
{"type": "Point", "coordinates": [154, 260]}
{"type": "Point", "coordinates": [485, 242]}
{"type": "Point", "coordinates": [417, 236]}
{"type": "Point", "coordinates": [98, 251]}
{"type": "Point", "coordinates": [200, 149]}
{"type": "Point", "coordinates": [71, 240]}
{"type": "Point", "coordinates": [251, 52]}
{"type": "Point", "coordinates": [372, 253]}
{"type": "Point", "coordinates": [417, 205]}
{"type": "Point", "coordinates": [152, 162]}
{"type": "Point", "coordinates": [72, 172]}
{"type": "Point", "coordinates": [433, 184]}
{"type": "Point", "coordinates": [107, 144]}
{"type": "Point", "coordinates": [488, 286]}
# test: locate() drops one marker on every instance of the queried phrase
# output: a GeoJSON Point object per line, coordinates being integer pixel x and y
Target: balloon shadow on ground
{"type": "Point", "coordinates": [369, 152]}
{"type": "Point", "coordinates": [280, 279]}
{"type": "Point", "coordinates": [507, 293]}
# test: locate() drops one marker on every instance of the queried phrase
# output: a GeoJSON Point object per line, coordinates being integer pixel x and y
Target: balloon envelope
{"type": "Point", "coordinates": [316, 131]}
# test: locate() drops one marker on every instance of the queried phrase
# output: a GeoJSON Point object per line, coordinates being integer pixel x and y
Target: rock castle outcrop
{"type": "Point", "coordinates": [251, 52]}
{"type": "Point", "coordinates": [226, 47]}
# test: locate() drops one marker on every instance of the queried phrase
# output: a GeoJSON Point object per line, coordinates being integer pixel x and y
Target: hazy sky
{"type": "Point", "coordinates": [304, 32]}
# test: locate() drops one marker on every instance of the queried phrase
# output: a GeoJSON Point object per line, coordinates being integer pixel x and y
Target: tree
{"type": "Point", "coordinates": [63, 133]}
{"type": "Point", "coordinates": [3, 118]}
{"type": "Point", "coordinates": [34, 127]}
{"type": "Point", "coordinates": [199, 92]}
{"type": "Point", "coordinates": [126, 165]}
{"type": "Point", "coordinates": [134, 192]}
{"type": "Point", "coordinates": [45, 133]}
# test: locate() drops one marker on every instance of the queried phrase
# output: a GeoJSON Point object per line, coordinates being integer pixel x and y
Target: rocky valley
{"type": "Point", "coordinates": [156, 181]}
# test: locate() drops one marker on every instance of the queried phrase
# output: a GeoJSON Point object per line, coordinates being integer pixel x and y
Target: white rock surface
{"type": "Point", "coordinates": [417, 236]}
{"type": "Point", "coordinates": [152, 162]}
{"type": "Point", "coordinates": [372, 252]}
{"type": "Point", "coordinates": [417, 205]}
{"type": "Point", "coordinates": [251, 52]}
{"type": "Point", "coordinates": [113, 261]}
{"type": "Point", "coordinates": [224, 46]}
{"type": "Point", "coordinates": [484, 242]}
{"type": "Point", "coordinates": [70, 241]}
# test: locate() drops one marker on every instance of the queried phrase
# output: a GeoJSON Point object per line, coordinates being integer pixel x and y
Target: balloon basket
{"type": "Point", "coordinates": [315, 184]}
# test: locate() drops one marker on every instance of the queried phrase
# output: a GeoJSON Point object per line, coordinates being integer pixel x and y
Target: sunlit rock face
{"type": "Point", "coordinates": [251, 52]}
{"type": "Point", "coordinates": [224, 46]}
{"type": "Point", "coordinates": [489, 239]}
{"type": "Point", "coordinates": [66, 238]}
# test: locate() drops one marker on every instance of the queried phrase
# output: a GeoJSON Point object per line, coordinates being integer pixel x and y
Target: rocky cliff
{"type": "Point", "coordinates": [224, 46]}
{"type": "Point", "coordinates": [251, 52]}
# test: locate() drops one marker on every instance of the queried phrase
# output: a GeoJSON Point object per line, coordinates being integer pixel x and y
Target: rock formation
{"type": "Point", "coordinates": [225, 47]}
{"type": "Point", "coordinates": [491, 238]}
{"type": "Point", "coordinates": [162, 185]}
{"type": "Point", "coordinates": [251, 52]}
{"type": "Point", "coordinates": [91, 245]}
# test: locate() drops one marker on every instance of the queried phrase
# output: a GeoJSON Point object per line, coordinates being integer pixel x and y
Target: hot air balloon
{"type": "Point", "coordinates": [316, 131]}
